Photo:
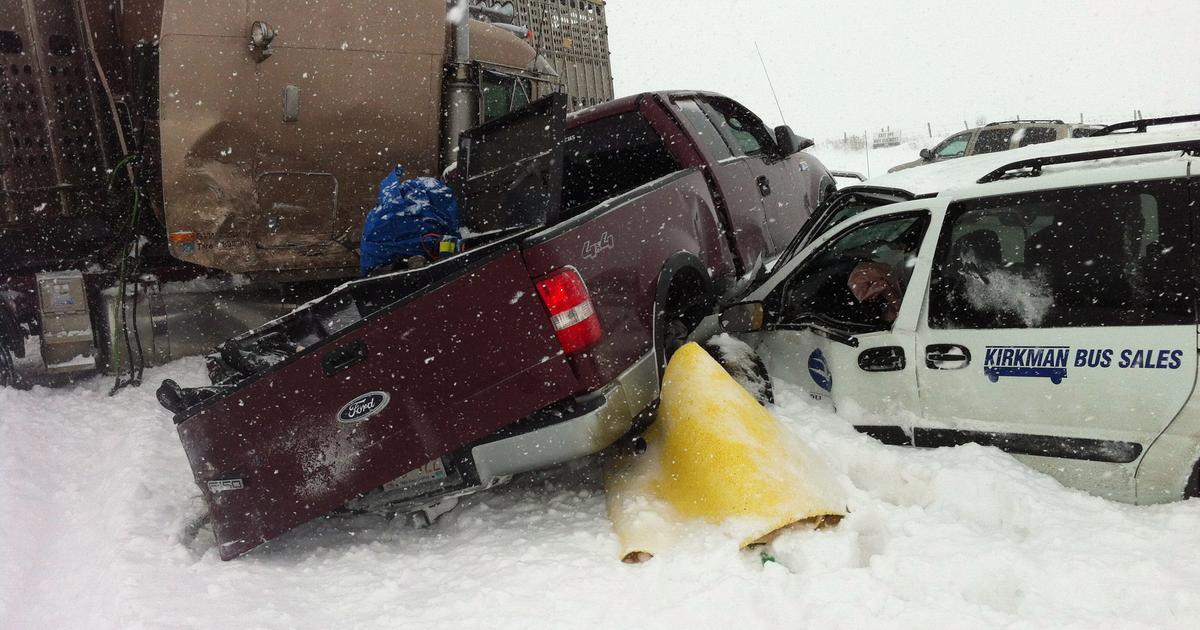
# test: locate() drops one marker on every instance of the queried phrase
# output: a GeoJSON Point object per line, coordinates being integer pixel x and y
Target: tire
{"type": "Point", "coordinates": [687, 304]}
{"type": "Point", "coordinates": [1192, 489]}
{"type": "Point", "coordinates": [8, 370]}
{"type": "Point", "coordinates": [744, 365]}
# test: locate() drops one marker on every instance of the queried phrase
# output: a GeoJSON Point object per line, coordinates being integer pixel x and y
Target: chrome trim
{"type": "Point", "coordinates": [576, 437]}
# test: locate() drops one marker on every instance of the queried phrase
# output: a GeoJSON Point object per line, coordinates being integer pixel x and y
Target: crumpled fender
{"type": "Point", "coordinates": [715, 459]}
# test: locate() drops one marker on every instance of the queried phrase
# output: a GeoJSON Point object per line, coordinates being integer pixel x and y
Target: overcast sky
{"type": "Point", "coordinates": [854, 65]}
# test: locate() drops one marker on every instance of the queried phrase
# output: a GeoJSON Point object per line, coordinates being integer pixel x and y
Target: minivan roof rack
{"type": "Point", "coordinates": [1021, 122]}
{"type": "Point", "coordinates": [1035, 164]}
{"type": "Point", "coordinates": [1139, 126]}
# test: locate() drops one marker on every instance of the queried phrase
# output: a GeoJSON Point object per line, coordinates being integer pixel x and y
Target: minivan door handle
{"type": "Point", "coordinates": [885, 359]}
{"type": "Point", "coordinates": [764, 186]}
{"type": "Point", "coordinates": [947, 356]}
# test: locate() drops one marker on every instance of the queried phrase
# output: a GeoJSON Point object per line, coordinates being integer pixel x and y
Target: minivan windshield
{"type": "Point", "coordinates": [839, 208]}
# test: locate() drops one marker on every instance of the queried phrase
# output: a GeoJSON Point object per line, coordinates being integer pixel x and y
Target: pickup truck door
{"type": "Point", "coordinates": [840, 318]}
{"type": "Point", "coordinates": [1061, 328]}
{"type": "Point", "coordinates": [783, 182]}
{"type": "Point", "coordinates": [734, 179]}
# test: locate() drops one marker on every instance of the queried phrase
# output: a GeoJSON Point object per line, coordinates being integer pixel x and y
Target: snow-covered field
{"type": "Point", "coordinates": [871, 163]}
{"type": "Point", "coordinates": [96, 501]}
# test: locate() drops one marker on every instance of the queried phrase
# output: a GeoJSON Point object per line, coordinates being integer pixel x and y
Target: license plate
{"type": "Point", "coordinates": [433, 471]}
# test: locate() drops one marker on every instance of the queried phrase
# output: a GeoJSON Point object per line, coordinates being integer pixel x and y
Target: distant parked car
{"type": "Point", "coordinates": [999, 136]}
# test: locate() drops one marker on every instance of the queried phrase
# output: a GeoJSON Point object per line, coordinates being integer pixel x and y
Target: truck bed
{"type": "Point", "coordinates": [281, 445]}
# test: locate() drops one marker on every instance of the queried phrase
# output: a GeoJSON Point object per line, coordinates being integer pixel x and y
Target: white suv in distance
{"type": "Point", "coordinates": [1043, 301]}
{"type": "Point", "coordinates": [999, 136]}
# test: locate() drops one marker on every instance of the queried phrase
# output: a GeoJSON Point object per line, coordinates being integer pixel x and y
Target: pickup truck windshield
{"type": "Point", "coordinates": [611, 156]}
{"type": "Point", "coordinates": [503, 94]}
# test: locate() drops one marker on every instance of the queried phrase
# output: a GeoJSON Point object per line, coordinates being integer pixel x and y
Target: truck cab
{"type": "Point", "coordinates": [278, 140]}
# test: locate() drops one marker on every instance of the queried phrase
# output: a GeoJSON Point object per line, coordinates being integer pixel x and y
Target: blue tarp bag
{"type": "Point", "coordinates": [411, 219]}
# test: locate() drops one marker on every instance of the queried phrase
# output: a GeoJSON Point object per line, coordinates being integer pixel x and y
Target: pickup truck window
{"type": "Point", "coordinates": [706, 131]}
{"type": "Point", "coordinates": [858, 280]}
{"type": "Point", "coordinates": [1095, 256]}
{"type": "Point", "coordinates": [744, 132]}
{"type": "Point", "coordinates": [611, 156]}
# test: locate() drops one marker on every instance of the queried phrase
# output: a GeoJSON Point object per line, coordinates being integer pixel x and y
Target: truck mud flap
{"type": "Point", "coordinates": [421, 378]}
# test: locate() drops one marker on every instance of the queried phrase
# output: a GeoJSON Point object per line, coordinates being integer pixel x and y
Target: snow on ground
{"type": "Point", "coordinates": [97, 498]}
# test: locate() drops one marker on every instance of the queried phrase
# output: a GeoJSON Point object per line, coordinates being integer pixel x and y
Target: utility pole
{"type": "Point", "coordinates": [867, 148]}
{"type": "Point", "coordinates": [462, 101]}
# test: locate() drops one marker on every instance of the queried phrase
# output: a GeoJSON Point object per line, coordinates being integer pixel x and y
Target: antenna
{"type": "Point", "coordinates": [775, 96]}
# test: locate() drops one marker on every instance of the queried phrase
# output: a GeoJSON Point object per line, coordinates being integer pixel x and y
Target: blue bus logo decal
{"type": "Point", "coordinates": [818, 369]}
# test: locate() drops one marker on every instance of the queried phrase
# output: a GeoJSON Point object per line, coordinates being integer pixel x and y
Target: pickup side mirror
{"type": "Point", "coordinates": [927, 155]}
{"type": "Point", "coordinates": [790, 143]}
{"type": "Point", "coordinates": [746, 317]}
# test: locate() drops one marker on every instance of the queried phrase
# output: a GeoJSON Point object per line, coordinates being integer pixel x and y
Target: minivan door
{"type": "Point", "coordinates": [1061, 328]}
{"type": "Point", "coordinates": [840, 320]}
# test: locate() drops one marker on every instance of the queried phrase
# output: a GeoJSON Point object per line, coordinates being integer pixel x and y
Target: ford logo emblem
{"type": "Point", "coordinates": [363, 407]}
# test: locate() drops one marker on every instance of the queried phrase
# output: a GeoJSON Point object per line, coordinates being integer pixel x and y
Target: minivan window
{"type": "Point", "coordinates": [993, 140]}
{"type": "Point", "coordinates": [1095, 256]}
{"type": "Point", "coordinates": [611, 156]}
{"type": "Point", "coordinates": [858, 280]}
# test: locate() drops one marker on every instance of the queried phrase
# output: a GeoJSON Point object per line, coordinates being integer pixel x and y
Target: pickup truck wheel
{"type": "Point", "coordinates": [686, 307]}
{"type": "Point", "coordinates": [744, 365]}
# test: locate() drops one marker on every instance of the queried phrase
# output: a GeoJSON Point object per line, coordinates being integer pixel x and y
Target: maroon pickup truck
{"type": "Point", "coordinates": [606, 236]}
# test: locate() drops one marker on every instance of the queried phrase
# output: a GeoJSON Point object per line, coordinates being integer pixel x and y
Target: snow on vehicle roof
{"type": "Point", "coordinates": [939, 177]}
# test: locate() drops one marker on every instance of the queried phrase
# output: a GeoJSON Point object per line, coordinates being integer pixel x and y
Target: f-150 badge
{"type": "Point", "coordinates": [593, 249]}
{"type": "Point", "coordinates": [363, 407]}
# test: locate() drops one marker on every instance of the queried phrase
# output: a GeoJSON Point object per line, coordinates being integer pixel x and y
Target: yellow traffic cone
{"type": "Point", "coordinates": [714, 458]}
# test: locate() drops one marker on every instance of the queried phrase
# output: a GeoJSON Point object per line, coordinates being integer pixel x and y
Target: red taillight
{"type": "Point", "coordinates": [571, 311]}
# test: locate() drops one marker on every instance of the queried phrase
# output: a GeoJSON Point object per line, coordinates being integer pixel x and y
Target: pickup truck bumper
{"type": "Point", "coordinates": [591, 424]}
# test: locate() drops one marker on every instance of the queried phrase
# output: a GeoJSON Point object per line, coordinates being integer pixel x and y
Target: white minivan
{"type": "Point", "coordinates": [1042, 301]}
